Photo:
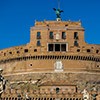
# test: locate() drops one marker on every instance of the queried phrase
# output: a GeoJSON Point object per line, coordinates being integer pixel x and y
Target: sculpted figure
{"type": "Point", "coordinates": [58, 12]}
{"type": "Point", "coordinates": [85, 95]}
{"type": "Point", "coordinates": [2, 83]}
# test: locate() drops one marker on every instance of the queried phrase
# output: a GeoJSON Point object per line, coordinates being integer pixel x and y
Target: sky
{"type": "Point", "coordinates": [17, 16]}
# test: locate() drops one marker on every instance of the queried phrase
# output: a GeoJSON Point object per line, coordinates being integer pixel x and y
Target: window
{"type": "Point", "coordinates": [35, 50]}
{"type": "Point", "coordinates": [97, 51]}
{"type": "Point", "coordinates": [51, 35]}
{"type": "Point", "coordinates": [26, 50]}
{"type": "Point", "coordinates": [38, 43]}
{"type": "Point", "coordinates": [75, 43]}
{"type": "Point", "coordinates": [88, 50]}
{"type": "Point", "coordinates": [18, 52]}
{"type": "Point", "coordinates": [57, 90]}
{"type": "Point", "coordinates": [30, 65]}
{"type": "Point", "coordinates": [78, 50]}
{"type": "Point", "coordinates": [57, 47]}
{"type": "Point", "coordinates": [98, 66]}
{"type": "Point", "coordinates": [38, 35]}
{"type": "Point", "coordinates": [50, 47]}
{"type": "Point", "coordinates": [63, 47]}
{"type": "Point", "coordinates": [75, 35]}
{"type": "Point", "coordinates": [63, 35]}
{"type": "Point", "coordinates": [10, 52]}
{"type": "Point", "coordinates": [4, 54]}
{"type": "Point", "coordinates": [66, 25]}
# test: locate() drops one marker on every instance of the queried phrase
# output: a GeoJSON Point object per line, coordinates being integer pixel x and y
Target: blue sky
{"type": "Point", "coordinates": [17, 16]}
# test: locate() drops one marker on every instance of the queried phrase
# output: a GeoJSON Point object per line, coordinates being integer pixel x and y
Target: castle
{"type": "Point", "coordinates": [57, 64]}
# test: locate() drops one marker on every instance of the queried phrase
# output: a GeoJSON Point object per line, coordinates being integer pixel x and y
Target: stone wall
{"type": "Point", "coordinates": [37, 84]}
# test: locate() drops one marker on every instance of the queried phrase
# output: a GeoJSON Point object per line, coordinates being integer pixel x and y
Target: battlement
{"type": "Point", "coordinates": [57, 23]}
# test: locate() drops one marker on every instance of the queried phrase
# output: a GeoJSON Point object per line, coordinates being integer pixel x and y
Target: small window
{"type": "Point", "coordinates": [88, 50]}
{"type": "Point", "coordinates": [38, 35]}
{"type": "Point", "coordinates": [57, 90]}
{"type": "Point", "coordinates": [48, 25]}
{"type": "Point", "coordinates": [98, 66]}
{"type": "Point", "coordinates": [63, 35]}
{"type": "Point", "coordinates": [30, 65]}
{"type": "Point", "coordinates": [38, 43]}
{"type": "Point", "coordinates": [97, 51]}
{"type": "Point", "coordinates": [51, 35]}
{"type": "Point", "coordinates": [75, 43]}
{"type": "Point", "coordinates": [75, 35]}
{"type": "Point", "coordinates": [26, 50]}
{"type": "Point", "coordinates": [18, 52]}
{"type": "Point", "coordinates": [66, 25]}
{"type": "Point", "coordinates": [78, 50]}
{"type": "Point", "coordinates": [10, 52]}
{"type": "Point", "coordinates": [35, 50]}
{"type": "Point", "coordinates": [4, 54]}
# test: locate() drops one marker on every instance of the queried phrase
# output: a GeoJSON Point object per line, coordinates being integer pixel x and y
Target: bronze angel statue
{"type": "Point", "coordinates": [58, 12]}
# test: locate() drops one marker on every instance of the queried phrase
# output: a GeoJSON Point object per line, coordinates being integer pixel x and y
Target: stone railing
{"type": "Point", "coordinates": [52, 57]}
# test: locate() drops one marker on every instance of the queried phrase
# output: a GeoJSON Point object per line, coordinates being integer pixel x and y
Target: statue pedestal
{"type": "Point", "coordinates": [58, 19]}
